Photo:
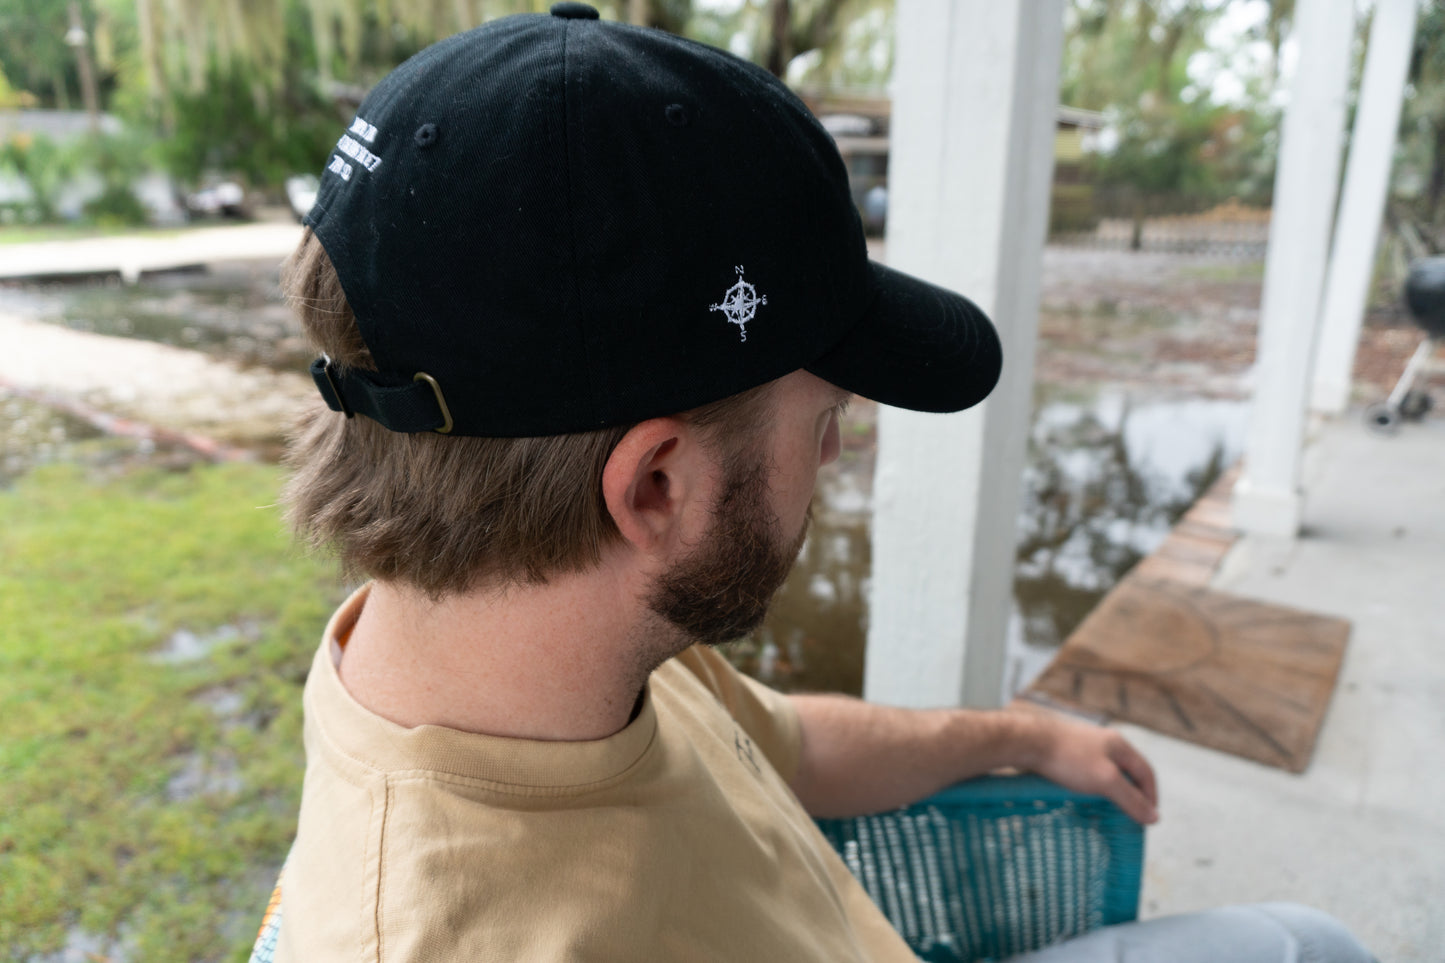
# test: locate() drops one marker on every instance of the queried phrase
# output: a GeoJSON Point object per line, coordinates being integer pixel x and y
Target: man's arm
{"type": "Point", "coordinates": [862, 758]}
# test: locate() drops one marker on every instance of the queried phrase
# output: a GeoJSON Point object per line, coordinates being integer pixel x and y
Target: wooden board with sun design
{"type": "Point", "coordinates": [1235, 674]}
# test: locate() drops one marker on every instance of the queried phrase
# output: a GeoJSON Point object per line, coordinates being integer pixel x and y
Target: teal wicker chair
{"type": "Point", "coordinates": [996, 866]}
{"type": "Point", "coordinates": [983, 870]}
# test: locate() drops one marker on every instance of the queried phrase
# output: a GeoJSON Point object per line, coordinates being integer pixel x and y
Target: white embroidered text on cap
{"type": "Point", "coordinates": [352, 148]}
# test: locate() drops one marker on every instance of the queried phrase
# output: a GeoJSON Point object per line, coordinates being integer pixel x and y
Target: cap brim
{"type": "Point", "coordinates": [919, 346]}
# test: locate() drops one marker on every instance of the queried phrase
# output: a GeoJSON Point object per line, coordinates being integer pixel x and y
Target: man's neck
{"type": "Point", "coordinates": [562, 661]}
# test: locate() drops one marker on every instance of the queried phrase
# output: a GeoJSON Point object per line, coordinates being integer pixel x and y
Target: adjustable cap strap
{"type": "Point", "coordinates": [410, 407]}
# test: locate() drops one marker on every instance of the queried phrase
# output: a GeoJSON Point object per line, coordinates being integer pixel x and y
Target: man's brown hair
{"type": "Point", "coordinates": [446, 514]}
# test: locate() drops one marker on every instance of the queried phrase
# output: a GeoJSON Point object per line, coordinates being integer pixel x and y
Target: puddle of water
{"type": "Point", "coordinates": [204, 776]}
{"type": "Point", "coordinates": [225, 703]}
{"type": "Point", "coordinates": [813, 638]}
{"type": "Point", "coordinates": [33, 434]}
{"type": "Point", "coordinates": [229, 311]}
{"type": "Point", "coordinates": [1105, 481]}
{"type": "Point", "coordinates": [229, 708]}
{"type": "Point", "coordinates": [183, 645]}
{"type": "Point", "coordinates": [82, 946]}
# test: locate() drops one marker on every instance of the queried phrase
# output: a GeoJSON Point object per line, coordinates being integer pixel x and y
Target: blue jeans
{"type": "Point", "coordinates": [1252, 933]}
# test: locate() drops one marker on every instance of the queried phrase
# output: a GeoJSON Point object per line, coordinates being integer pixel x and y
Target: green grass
{"type": "Point", "coordinates": [95, 576]}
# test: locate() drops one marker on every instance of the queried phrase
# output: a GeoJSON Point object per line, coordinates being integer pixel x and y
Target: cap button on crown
{"type": "Point", "coordinates": [571, 10]}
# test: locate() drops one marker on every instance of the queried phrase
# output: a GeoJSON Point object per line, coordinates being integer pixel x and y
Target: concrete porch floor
{"type": "Point", "coordinates": [1361, 833]}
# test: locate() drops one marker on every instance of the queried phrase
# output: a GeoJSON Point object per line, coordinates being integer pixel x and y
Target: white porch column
{"type": "Point", "coordinates": [1362, 203]}
{"type": "Point", "coordinates": [1267, 498]}
{"type": "Point", "coordinates": [975, 94]}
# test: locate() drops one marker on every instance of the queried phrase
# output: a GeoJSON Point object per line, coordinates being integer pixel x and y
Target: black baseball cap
{"type": "Point", "coordinates": [553, 223]}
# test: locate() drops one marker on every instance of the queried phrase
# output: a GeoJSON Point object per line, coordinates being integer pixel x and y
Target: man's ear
{"type": "Point", "coordinates": [653, 482]}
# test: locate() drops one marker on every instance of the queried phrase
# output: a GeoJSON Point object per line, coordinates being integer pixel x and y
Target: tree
{"type": "Point", "coordinates": [33, 52]}
{"type": "Point", "coordinates": [12, 99]}
{"type": "Point", "coordinates": [259, 87]}
{"type": "Point", "coordinates": [1277, 25]}
{"type": "Point", "coordinates": [797, 28]}
{"type": "Point", "coordinates": [1117, 53]}
{"type": "Point", "coordinates": [1173, 146]}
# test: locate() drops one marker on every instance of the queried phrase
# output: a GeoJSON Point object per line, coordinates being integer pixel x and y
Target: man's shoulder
{"type": "Point", "coordinates": [764, 714]}
{"type": "Point", "coordinates": [434, 870]}
{"type": "Point", "coordinates": [680, 875]}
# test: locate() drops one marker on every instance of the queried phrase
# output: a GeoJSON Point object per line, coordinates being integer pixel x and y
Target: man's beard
{"type": "Point", "coordinates": [722, 590]}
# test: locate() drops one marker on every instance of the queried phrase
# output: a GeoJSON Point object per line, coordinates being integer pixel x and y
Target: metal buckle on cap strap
{"type": "Point", "coordinates": [441, 402]}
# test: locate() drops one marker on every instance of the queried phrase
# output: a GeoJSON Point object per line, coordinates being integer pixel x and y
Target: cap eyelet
{"type": "Point", "coordinates": [425, 135]}
{"type": "Point", "coordinates": [676, 115]}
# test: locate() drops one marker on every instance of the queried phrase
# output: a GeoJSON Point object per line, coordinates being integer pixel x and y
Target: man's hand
{"type": "Point", "coordinates": [1091, 759]}
{"type": "Point", "coordinates": [859, 758]}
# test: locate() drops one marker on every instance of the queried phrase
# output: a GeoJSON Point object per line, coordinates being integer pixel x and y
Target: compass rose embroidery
{"type": "Point", "coordinates": [740, 303]}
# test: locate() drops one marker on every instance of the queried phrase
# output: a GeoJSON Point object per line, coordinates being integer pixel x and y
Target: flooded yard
{"type": "Point", "coordinates": [33, 434]}
{"type": "Point", "coordinates": [232, 311]}
{"type": "Point", "coordinates": [1143, 368]}
{"type": "Point", "coordinates": [1106, 479]}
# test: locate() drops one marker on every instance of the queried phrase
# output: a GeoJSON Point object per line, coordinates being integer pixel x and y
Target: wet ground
{"type": "Point", "coordinates": [232, 311]}
{"type": "Point", "coordinates": [1110, 469]}
{"type": "Point", "coordinates": [33, 434]}
{"type": "Point", "coordinates": [212, 355]}
{"type": "Point", "coordinates": [1143, 371]}
{"type": "Point", "coordinates": [1143, 375]}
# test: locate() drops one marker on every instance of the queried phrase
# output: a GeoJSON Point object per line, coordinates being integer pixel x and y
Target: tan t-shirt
{"type": "Point", "coordinates": [674, 839]}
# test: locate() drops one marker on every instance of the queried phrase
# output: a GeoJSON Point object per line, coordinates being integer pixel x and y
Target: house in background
{"type": "Point", "coordinates": [1071, 200]}
{"type": "Point", "coordinates": [859, 125]}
